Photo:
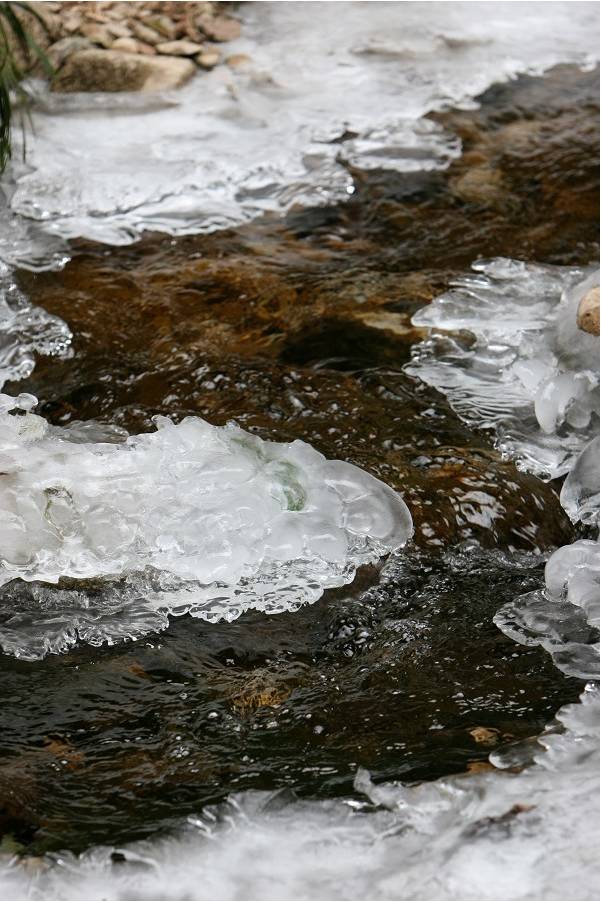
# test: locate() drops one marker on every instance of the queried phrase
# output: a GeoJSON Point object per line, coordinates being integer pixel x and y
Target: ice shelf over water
{"type": "Point", "coordinates": [191, 518]}
{"type": "Point", "coordinates": [513, 360]}
{"type": "Point", "coordinates": [330, 87]}
{"type": "Point", "coordinates": [527, 372]}
{"type": "Point", "coordinates": [495, 835]}
{"type": "Point", "coordinates": [212, 521]}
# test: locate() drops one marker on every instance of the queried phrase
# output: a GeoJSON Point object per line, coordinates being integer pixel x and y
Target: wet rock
{"type": "Point", "coordinates": [113, 70]}
{"type": "Point", "coordinates": [588, 312]}
{"type": "Point", "coordinates": [179, 48]}
{"type": "Point", "coordinates": [219, 28]}
{"type": "Point", "coordinates": [208, 59]}
{"type": "Point", "coordinates": [481, 185]}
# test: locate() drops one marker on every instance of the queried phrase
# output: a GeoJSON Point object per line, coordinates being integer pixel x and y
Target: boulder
{"type": "Point", "coordinates": [112, 70]}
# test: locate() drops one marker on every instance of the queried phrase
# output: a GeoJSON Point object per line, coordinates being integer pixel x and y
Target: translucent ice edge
{"type": "Point", "coordinates": [490, 835]}
{"type": "Point", "coordinates": [513, 360]}
{"type": "Point", "coordinates": [192, 518]}
{"type": "Point", "coordinates": [344, 87]}
{"type": "Point", "coordinates": [26, 330]}
{"type": "Point", "coordinates": [525, 371]}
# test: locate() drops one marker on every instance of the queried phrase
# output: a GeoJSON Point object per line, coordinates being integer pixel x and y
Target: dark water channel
{"type": "Point", "coordinates": [299, 329]}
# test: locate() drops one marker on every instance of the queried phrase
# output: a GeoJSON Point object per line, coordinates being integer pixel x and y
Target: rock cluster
{"type": "Point", "coordinates": [132, 46]}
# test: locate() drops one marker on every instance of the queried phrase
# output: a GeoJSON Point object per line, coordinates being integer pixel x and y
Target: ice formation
{"type": "Point", "coordinates": [199, 519]}
{"type": "Point", "coordinates": [91, 171]}
{"type": "Point", "coordinates": [492, 835]}
{"type": "Point", "coordinates": [564, 616]}
{"type": "Point", "coordinates": [580, 491]}
{"type": "Point", "coordinates": [529, 374]}
{"type": "Point", "coordinates": [524, 370]}
{"type": "Point", "coordinates": [527, 835]}
{"type": "Point", "coordinates": [25, 330]}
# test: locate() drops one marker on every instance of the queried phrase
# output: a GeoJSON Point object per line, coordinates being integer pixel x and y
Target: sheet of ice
{"type": "Point", "coordinates": [524, 370]}
{"type": "Point", "coordinates": [330, 86]}
{"type": "Point", "coordinates": [493, 835]}
{"type": "Point", "coordinates": [200, 519]}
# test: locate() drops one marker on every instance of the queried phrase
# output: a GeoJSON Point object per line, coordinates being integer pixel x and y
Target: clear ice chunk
{"type": "Point", "coordinates": [189, 519]}
{"type": "Point", "coordinates": [580, 491]}
{"type": "Point", "coordinates": [526, 371]}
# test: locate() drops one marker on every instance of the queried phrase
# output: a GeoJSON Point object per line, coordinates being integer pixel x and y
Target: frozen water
{"type": "Point", "coordinates": [306, 111]}
{"type": "Point", "coordinates": [532, 835]}
{"type": "Point", "coordinates": [526, 371]}
{"type": "Point", "coordinates": [213, 520]}
{"type": "Point", "coordinates": [189, 519]}
{"type": "Point", "coordinates": [529, 374]}
{"type": "Point", "coordinates": [580, 492]}
{"type": "Point", "coordinates": [564, 617]}
{"type": "Point", "coordinates": [25, 330]}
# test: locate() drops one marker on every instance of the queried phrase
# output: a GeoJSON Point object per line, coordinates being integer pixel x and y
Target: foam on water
{"type": "Point", "coordinates": [331, 87]}
{"type": "Point", "coordinates": [525, 370]}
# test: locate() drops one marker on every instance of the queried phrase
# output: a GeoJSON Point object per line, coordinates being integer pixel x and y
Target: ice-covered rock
{"type": "Point", "coordinates": [202, 520]}
{"type": "Point", "coordinates": [526, 371]}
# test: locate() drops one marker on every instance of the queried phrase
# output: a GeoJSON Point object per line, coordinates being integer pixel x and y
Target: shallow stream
{"type": "Point", "coordinates": [297, 324]}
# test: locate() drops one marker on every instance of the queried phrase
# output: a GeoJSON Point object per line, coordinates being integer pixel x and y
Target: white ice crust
{"type": "Point", "coordinates": [330, 87]}
{"type": "Point", "coordinates": [525, 371]}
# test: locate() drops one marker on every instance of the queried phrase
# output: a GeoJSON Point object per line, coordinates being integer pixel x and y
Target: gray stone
{"type": "Point", "coordinates": [112, 70]}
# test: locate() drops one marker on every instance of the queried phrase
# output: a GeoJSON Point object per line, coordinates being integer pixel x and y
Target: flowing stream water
{"type": "Point", "coordinates": [293, 602]}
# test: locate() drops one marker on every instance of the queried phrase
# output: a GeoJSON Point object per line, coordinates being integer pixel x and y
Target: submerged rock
{"type": "Point", "coordinates": [112, 70]}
